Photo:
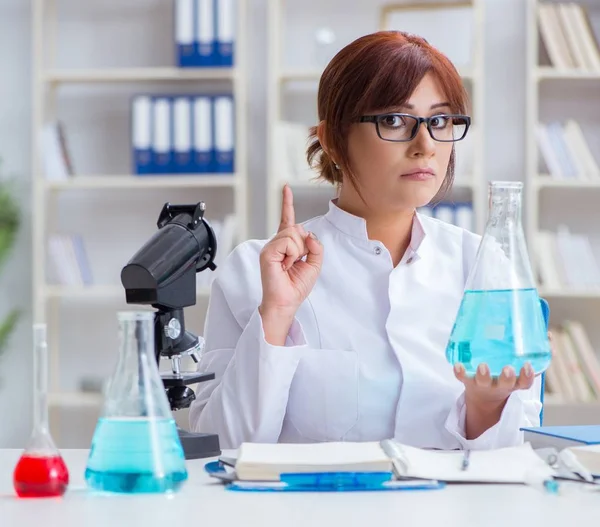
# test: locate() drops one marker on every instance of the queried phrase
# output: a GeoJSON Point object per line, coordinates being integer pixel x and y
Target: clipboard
{"type": "Point", "coordinates": [321, 482]}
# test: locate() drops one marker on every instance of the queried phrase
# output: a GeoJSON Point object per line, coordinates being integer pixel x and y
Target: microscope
{"type": "Point", "coordinates": [163, 274]}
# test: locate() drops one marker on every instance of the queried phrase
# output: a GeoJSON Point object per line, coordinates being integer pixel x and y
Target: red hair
{"type": "Point", "coordinates": [374, 73]}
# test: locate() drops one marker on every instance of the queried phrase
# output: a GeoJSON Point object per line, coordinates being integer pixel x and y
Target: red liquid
{"type": "Point", "coordinates": [40, 477]}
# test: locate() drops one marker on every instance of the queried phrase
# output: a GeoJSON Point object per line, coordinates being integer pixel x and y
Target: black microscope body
{"type": "Point", "coordinates": [163, 274]}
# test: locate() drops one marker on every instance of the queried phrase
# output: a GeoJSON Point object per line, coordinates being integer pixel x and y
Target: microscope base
{"type": "Point", "coordinates": [196, 446]}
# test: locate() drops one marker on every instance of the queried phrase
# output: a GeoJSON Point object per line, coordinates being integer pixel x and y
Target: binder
{"type": "Point", "coordinates": [203, 149]}
{"type": "Point", "coordinates": [141, 122]}
{"type": "Point", "coordinates": [204, 33]}
{"type": "Point", "coordinates": [444, 212]}
{"type": "Point", "coordinates": [224, 133]}
{"type": "Point", "coordinates": [225, 31]}
{"type": "Point", "coordinates": [184, 33]}
{"type": "Point", "coordinates": [182, 136]}
{"type": "Point", "coordinates": [463, 215]}
{"type": "Point", "coordinates": [161, 136]}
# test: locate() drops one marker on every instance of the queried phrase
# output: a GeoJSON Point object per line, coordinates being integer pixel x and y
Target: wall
{"type": "Point", "coordinates": [505, 99]}
{"type": "Point", "coordinates": [15, 288]}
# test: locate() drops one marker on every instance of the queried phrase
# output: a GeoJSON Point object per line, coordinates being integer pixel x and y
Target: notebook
{"type": "Point", "coordinates": [266, 462]}
{"type": "Point", "coordinates": [562, 436]}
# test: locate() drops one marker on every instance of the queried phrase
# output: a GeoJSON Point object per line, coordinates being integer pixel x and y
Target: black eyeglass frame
{"type": "Point", "coordinates": [427, 120]}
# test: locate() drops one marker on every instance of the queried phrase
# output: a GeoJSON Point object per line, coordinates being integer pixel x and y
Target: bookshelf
{"type": "Point", "coordinates": [81, 319]}
{"type": "Point", "coordinates": [292, 94]}
{"type": "Point", "coordinates": [564, 191]}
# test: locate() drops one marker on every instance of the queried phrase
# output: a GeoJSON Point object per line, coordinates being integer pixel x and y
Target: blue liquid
{"type": "Point", "coordinates": [136, 455]}
{"type": "Point", "coordinates": [500, 328]}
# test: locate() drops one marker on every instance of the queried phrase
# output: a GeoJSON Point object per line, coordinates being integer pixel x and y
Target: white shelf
{"type": "Point", "coordinates": [303, 184]}
{"type": "Point", "coordinates": [549, 182]}
{"type": "Point", "coordinates": [568, 293]}
{"type": "Point", "coordinates": [548, 72]}
{"type": "Point", "coordinates": [313, 75]}
{"type": "Point", "coordinates": [48, 77]}
{"type": "Point", "coordinates": [146, 181]}
{"type": "Point", "coordinates": [83, 76]}
{"type": "Point", "coordinates": [75, 399]}
{"type": "Point", "coordinates": [571, 413]}
{"type": "Point", "coordinates": [96, 291]}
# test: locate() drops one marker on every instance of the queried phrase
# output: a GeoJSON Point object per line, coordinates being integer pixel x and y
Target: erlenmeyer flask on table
{"type": "Point", "coordinates": [41, 471]}
{"type": "Point", "coordinates": [136, 447]}
{"type": "Point", "coordinates": [500, 320]}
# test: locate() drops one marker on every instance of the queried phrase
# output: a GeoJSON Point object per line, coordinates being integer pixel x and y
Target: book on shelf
{"type": "Point", "coordinates": [574, 373]}
{"type": "Point", "coordinates": [56, 158]}
{"type": "Point", "coordinates": [565, 259]}
{"type": "Point", "coordinates": [183, 134]}
{"type": "Point", "coordinates": [289, 143]}
{"type": "Point", "coordinates": [69, 262]}
{"type": "Point", "coordinates": [455, 213]}
{"type": "Point", "coordinates": [568, 36]}
{"type": "Point", "coordinates": [566, 152]}
{"type": "Point", "coordinates": [205, 33]}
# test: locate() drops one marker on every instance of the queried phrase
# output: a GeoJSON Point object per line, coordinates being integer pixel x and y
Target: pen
{"type": "Point", "coordinates": [465, 460]}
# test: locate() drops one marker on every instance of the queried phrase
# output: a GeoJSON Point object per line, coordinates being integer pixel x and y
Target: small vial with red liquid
{"type": "Point", "coordinates": [41, 471]}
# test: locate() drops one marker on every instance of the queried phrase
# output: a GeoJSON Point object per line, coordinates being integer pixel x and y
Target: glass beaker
{"type": "Point", "coordinates": [500, 320]}
{"type": "Point", "coordinates": [136, 447]}
{"type": "Point", "coordinates": [41, 471]}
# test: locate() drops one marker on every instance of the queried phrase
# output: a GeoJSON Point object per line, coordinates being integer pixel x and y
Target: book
{"type": "Point", "coordinates": [562, 436]}
{"type": "Point", "coordinates": [268, 462]}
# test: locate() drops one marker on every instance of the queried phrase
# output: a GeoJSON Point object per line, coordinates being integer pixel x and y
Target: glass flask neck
{"type": "Point", "coordinates": [137, 337]}
{"type": "Point", "coordinates": [40, 372]}
{"type": "Point", "coordinates": [505, 203]}
{"type": "Point", "coordinates": [136, 389]}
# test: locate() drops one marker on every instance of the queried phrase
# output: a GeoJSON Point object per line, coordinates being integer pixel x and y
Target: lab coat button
{"type": "Point", "coordinates": [377, 250]}
{"type": "Point", "coordinates": [409, 260]}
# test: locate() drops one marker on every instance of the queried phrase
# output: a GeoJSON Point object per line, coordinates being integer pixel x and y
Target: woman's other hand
{"type": "Point", "coordinates": [290, 264]}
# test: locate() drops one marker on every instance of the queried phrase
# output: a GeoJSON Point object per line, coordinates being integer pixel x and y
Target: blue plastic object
{"type": "Point", "coordinates": [546, 314]}
{"type": "Point", "coordinates": [324, 482]}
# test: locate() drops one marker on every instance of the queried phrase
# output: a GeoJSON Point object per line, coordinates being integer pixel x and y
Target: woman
{"type": "Point", "coordinates": [335, 330]}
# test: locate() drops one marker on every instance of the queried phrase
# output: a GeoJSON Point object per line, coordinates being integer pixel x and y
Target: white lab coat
{"type": "Point", "coordinates": [365, 357]}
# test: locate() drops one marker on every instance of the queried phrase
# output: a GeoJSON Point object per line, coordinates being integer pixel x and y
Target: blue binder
{"type": "Point", "coordinates": [184, 33]}
{"type": "Point", "coordinates": [224, 133]}
{"type": "Point", "coordinates": [205, 44]}
{"type": "Point", "coordinates": [202, 135]}
{"type": "Point", "coordinates": [225, 31]}
{"type": "Point", "coordinates": [183, 159]}
{"type": "Point", "coordinates": [162, 133]}
{"type": "Point", "coordinates": [141, 136]}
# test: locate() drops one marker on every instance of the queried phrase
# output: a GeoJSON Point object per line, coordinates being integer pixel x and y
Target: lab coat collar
{"type": "Point", "coordinates": [356, 227]}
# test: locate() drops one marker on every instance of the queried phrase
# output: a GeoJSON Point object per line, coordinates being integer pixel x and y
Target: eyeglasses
{"type": "Point", "coordinates": [402, 127]}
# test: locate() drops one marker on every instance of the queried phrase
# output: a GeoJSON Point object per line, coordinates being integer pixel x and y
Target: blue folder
{"type": "Point", "coordinates": [322, 482]}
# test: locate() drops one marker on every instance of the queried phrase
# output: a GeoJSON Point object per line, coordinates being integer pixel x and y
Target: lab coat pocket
{"type": "Point", "coordinates": [323, 400]}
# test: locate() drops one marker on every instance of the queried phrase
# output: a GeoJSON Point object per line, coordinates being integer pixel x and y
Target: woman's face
{"type": "Point", "coordinates": [388, 173]}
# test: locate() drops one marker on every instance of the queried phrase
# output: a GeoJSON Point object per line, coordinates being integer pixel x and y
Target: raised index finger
{"type": "Point", "coordinates": [288, 216]}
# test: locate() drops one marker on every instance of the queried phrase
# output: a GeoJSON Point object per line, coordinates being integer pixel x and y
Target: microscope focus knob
{"type": "Point", "coordinates": [172, 329]}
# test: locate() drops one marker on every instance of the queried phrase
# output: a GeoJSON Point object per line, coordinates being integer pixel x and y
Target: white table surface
{"type": "Point", "coordinates": [204, 502]}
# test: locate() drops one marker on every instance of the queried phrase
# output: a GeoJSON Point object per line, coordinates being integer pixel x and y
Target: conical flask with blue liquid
{"type": "Point", "coordinates": [136, 447]}
{"type": "Point", "coordinates": [500, 320]}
